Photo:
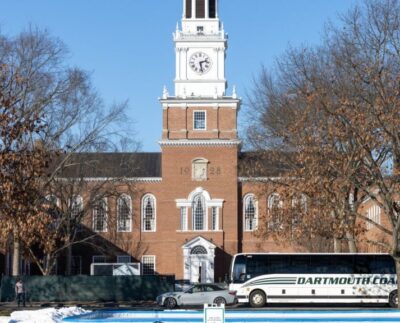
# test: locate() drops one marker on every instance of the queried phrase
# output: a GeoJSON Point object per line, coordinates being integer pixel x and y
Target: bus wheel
{"type": "Point", "coordinates": [257, 298]}
{"type": "Point", "coordinates": [393, 299]}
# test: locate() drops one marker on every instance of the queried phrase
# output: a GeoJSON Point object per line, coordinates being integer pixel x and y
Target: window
{"type": "Point", "coordinates": [199, 212]}
{"type": "Point", "coordinates": [149, 213]}
{"type": "Point", "coordinates": [124, 213]}
{"type": "Point", "coordinates": [214, 219]}
{"type": "Point", "coordinates": [184, 224]}
{"type": "Point", "coordinates": [374, 214]}
{"type": "Point", "coordinates": [188, 8]}
{"type": "Point", "coordinates": [100, 216]}
{"type": "Point", "coordinates": [200, 8]}
{"type": "Point", "coordinates": [76, 206]}
{"type": "Point", "coordinates": [212, 8]}
{"type": "Point", "coordinates": [99, 259]}
{"type": "Point", "coordinates": [299, 207]}
{"type": "Point", "coordinates": [123, 259]}
{"type": "Point", "coordinates": [274, 205]}
{"type": "Point", "coordinates": [53, 203]}
{"type": "Point", "coordinates": [199, 120]}
{"type": "Point", "coordinates": [148, 265]}
{"type": "Point", "coordinates": [250, 213]}
{"type": "Point", "coordinates": [198, 250]}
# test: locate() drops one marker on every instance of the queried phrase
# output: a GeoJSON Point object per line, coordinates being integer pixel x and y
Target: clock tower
{"type": "Point", "coordinates": [200, 148]}
{"type": "Point", "coordinates": [200, 46]}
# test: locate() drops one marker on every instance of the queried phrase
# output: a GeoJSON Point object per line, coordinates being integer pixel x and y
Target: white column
{"type": "Point", "coordinates": [184, 9]}
{"type": "Point", "coordinates": [207, 13]}
{"type": "Point", "coordinates": [186, 263]}
{"type": "Point", "coordinates": [193, 9]}
{"type": "Point", "coordinates": [216, 8]}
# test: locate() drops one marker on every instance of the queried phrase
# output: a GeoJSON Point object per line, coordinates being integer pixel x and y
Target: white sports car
{"type": "Point", "coordinates": [197, 295]}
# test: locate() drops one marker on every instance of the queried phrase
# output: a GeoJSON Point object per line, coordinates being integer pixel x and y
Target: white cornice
{"type": "Point", "coordinates": [258, 179]}
{"type": "Point", "coordinates": [113, 179]}
{"type": "Point", "coordinates": [199, 100]}
{"type": "Point", "coordinates": [185, 142]}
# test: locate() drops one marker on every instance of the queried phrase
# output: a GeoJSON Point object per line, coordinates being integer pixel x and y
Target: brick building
{"type": "Point", "coordinates": [187, 212]}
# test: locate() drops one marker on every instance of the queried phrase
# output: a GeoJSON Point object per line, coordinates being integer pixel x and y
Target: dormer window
{"type": "Point", "coordinates": [199, 120]}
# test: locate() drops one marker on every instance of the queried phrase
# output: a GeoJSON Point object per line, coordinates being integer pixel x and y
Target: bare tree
{"type": "Point", "coordinates": [73, 119]}
{"type": "Point", "coordinates": [337, 108]}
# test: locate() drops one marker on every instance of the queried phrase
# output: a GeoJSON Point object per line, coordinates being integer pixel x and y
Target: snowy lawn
{"type": "Point", "coordinates": [48, 315]}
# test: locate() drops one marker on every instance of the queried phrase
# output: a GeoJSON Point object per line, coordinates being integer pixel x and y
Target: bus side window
{"type": "Point", "coordinates": [362, 264]}
{"type": "Point", "coordinates": [321, 264]}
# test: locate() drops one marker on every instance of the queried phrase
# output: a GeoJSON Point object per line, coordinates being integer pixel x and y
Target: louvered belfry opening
{"type": "Point", "coordinates": [200, 8]}
{"type": "Point", "coordinates": [212, 8]}
{"type": "Point", "coordinates": [188, 9]}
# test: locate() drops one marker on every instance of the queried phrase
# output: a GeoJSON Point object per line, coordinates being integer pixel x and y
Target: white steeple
{"type": "Point", "coordinates": [200, 46]}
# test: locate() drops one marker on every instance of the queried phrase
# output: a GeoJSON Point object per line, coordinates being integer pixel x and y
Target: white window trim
{"type": "Point", "coordinates": [106, 217]}
{"type": "Point", "coordinates": [205, 120]}
{"type": "Point", "coordinates": [374, 213]}
{"type": "Point", "coordinates": [184, 219]}
{"type": "Point", "coordinates": [125, 196]}
{"type": "Point", "coordinates": [154, 211]}
{"type": "Point", "coordinates": [216, 218]}
{"type": "Point", "coordinates": [50, 196]}
{"type": "Point", "coordinates": [255, 203]}
{"type": "Point", "coordinates": [154, 263]}
{"type": "Point", "coordinates": [271, 200]}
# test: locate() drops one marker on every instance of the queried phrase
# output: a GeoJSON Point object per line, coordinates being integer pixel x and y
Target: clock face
{"type": "Point", "coordinates": [200, 62]}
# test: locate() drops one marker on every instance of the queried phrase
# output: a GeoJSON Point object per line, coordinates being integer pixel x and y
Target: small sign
{"type": "Point", "coordinates": [214, 313]}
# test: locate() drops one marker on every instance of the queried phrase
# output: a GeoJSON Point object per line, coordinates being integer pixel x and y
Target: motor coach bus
{"type": "Point", "coordinates": [260, 278]}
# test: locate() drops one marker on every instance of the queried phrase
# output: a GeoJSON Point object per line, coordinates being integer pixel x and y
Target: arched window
{"type": "Point", "coordinates": [374, 214]}
{"type": "Point", "coordinates": [198, 250]}
{"type": "Point", "coordinates": [199, 213]}
{"type": "Point", "coordinates": [299, 208]}
{"type": "Point", "coordinates": [274, 205]}
{"type": "Point", "coordinates": [124, 213]}
{"type": "Point", "coordinates": [52, 204]}
{"type": "Point", "coordinates": [76, 207]}
{"type": "Point", "coordinates": [250, 212]}
{"type": "Point", "coordinates": [149, 213]}
{"type": "Point", "coordinates": [100, 215]}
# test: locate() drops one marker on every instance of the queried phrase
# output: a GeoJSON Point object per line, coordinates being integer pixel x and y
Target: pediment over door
{"type": "Point", "coordinates": [199, 241]}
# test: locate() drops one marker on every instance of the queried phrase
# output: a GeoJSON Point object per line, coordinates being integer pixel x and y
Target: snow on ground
{"type": "Point", "coordinates": [48, 315]}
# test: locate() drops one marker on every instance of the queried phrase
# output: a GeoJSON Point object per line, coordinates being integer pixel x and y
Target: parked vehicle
{"type": "Point", "coordinates": [197, 295]}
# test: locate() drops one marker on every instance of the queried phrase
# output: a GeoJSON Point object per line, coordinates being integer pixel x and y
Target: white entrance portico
{"type": "Point", "coordinates": [198, 260]}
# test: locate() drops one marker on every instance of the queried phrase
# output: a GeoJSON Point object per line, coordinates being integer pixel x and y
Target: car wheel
{"type": "Point", "coordinates": [170, 303]}
{"type": "Point", "coordinates": [219, 300]}
{"type": "Point", "coordinates": [257, 298]}
{"type": "Point", "coordinates": [393, 299]}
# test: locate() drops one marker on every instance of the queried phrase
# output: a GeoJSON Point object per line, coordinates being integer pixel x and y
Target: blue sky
{"type": "Point", "coordinates": [127, 44]}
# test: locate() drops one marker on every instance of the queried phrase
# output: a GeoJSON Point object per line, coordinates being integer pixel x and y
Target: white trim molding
{"type": "Point", "coordinates": [186, 142]}
{"type": "Point", "coordinates": [113, 179]}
